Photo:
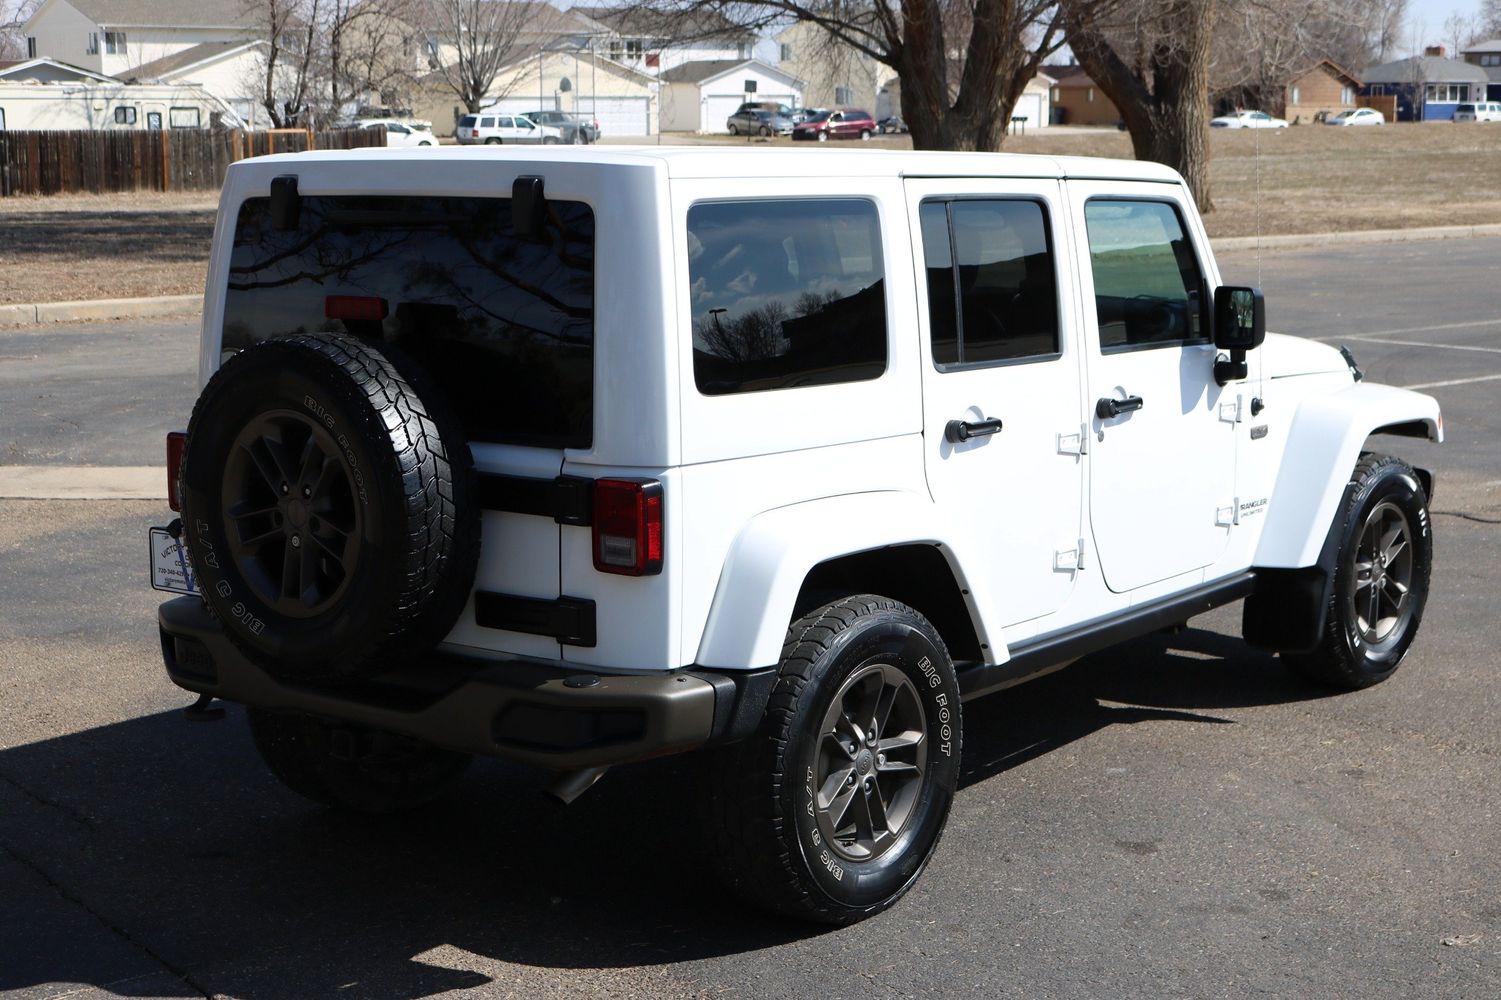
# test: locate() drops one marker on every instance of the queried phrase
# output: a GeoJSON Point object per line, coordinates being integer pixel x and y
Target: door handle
{"type": "Point", "coordinates": [959, 431]}
{"type": "Point", "coordinates": [1108, 408]}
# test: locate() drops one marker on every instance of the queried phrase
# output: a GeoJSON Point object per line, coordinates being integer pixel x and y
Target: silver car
{"type": "Point", "coordinates": [758, 122]}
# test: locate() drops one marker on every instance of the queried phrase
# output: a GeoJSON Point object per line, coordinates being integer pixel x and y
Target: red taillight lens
{"type": "Point", "coordinates": [175, 442]}
{"type": "Point", "coordinates": [628, 526]}
{"type": "Point", "coordinates": [355, 307]}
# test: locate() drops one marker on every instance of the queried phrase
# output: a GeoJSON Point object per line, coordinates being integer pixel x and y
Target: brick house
{"type": "Point", "coordinates": [1077, 100]}
{"type": "Point", "coordinates": [1325, 86]}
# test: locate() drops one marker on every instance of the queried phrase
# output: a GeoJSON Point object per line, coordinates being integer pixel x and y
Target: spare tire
{"type": "Point", "coordinates": [328, 505]}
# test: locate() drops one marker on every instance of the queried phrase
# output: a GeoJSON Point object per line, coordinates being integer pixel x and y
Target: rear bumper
{"type": "Point", "coordinates": [553, 716]}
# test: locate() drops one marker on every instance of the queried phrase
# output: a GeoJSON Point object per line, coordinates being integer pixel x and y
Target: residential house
{"type": "Point", "coordinates": [834, 75]}
{"type": "Point", "coordinates": [232, 71]}
{"type": "Point", "coordinates": [1034, 108]}
{"type": "Point", "coordinates": [1426, 87]}
{"type": "Point", "coordinates": [1323, 87]}
{"type": "Point", "coordinates": [1487, 55]}
{"type": "Point", "coordinates": [656, 41]}
{"type": "Point", "coordinates": [1078, 100]}
{"type": "Point", "coordinates": [43, 70]}
{"type": "Point", "coordinates": [699, 96]}
{"type": "Point", "coordinates": [114, 37]}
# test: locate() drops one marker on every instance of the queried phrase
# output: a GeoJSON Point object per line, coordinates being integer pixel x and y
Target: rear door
{"type": "Point", "coordinates": [1001, 394]}
{"type": "Point", "coordinates": [1162, 477]}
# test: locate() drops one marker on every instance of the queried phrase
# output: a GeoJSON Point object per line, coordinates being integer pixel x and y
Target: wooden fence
{"type": "Point", "coordinates": [101, 162]}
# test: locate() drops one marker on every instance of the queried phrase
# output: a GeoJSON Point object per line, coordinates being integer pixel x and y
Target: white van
{"type": "Point", "coordinates": [1482, 111]}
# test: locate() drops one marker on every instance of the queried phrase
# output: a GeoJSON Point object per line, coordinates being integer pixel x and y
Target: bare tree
{"type": "Point", "coordinates": [1490, 18]}
{"type": "Point", "coordinates": [13, 15]}
{"type": "Point", "coordinates": [476, 39]}
{"type": "Point", "coordinates": [291, 29]}
{"type": "Point", "coordinates": [1152, 58]}
{"type": "Point", "coordinates": [963, 64]}
{"type": "Point", "coordinates": [1259, 45]}
{"type": "Point", "coordinates": [1460, 32]}
{"type": "Point", "coordinates": [368, 49]}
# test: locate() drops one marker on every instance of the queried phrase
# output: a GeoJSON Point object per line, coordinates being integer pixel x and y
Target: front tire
{"type": "Point", "coordinates": [832, 809]}
{"type": "Point", "coordinates": [734, 130]}
{"type": "Point", "coordinates": [823, 137]}
{"type": "Point", "coordinates": [350, 767]}
{"type": "Point", "coordinates": [1380, 579]}
{"type": "Point", "coordinates": [864, 134]}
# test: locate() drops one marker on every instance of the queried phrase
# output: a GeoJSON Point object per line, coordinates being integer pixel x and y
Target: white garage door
{"type": "Point", "coordinates": [618, 116]}
{"type": "Point", "coordinates": [1030, 106]}
{"type": "Point", "coordinates": [721, 106]}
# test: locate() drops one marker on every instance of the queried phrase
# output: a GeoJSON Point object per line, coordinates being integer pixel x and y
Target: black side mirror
{"type": "Point", "coordinates": [1239, 326]}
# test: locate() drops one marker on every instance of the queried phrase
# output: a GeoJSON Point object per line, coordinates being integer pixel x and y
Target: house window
{"type": "Point", "coordinates": [633, 48]}
{"type": "Point", "coordinates": [1089, 95]}
{"type": "Point", "coordinates": [91, 48]}
{"type": "Point", "coordinates": [1294, 95]}
{"type": "Point", "coordinates": [1347, 95]}
{"type": "Point", "coordinates": [1447, 93]}
{"type": "Point", "coordinates": [114, 43]}
{"type": "Point", "coordinates": [615, 49]}
{"type": "Point", "coordinates": [30, 47]}
{"type": "Point", "coordinates": [842, 95]}
{"type": "Point", "coordinates": [125, 116]}
{"type": "Point", "coordinates": [784, 52]}
{"type": "Point", "coordinates": [745, 50]}
{"type": "Point", "coordinates": [1491, 60]}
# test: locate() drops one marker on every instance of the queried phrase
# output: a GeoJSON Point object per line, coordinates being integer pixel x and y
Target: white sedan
{"type": "Point", "coordinates": [1247, 119]}
{"type": "Point", "coordinates": [1357, 116]}
{"type": "Point", "coordinates": [402, 131]}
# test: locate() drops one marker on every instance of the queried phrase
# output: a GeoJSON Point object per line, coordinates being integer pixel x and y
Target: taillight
{"type": "Point", "coordinates": [175, 442]}
{"type": "Point", "coordinates": [354, 307]}
{"type": "Point", "coordinates": [628, 526]}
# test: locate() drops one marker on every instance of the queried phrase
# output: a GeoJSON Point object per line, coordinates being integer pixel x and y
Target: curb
{"type": "Point", "coordinates": [1355, 236]}
{"type": "Point", "coordinates": [38, 313]}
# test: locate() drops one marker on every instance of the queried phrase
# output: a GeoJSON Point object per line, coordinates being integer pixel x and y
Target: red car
{"type": "Point", "coordinates": [844, 123]}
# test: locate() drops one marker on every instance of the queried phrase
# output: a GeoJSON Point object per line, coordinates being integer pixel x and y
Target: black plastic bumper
{"type": "Point", "coordinates": [555, 716]}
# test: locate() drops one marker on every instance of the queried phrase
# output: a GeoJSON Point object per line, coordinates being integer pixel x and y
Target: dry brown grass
{"type": "Point", "coordinates": [1307, 179]}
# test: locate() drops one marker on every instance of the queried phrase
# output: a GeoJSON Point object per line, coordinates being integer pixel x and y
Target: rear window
{"type": "Point", "coordinates": [505, 326]}
{"type": "Point", "coordinates": [467, 121]}
{"type": "Point", "coordinates": [785, 294]}
{"type": "Point", "coordinates": [1465, 108]}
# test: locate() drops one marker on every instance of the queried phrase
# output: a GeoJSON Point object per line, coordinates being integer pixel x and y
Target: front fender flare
{"type": "Point", "coordinates": [771, 557]}
{"type": "Point", "coordinates": [1323, 444]}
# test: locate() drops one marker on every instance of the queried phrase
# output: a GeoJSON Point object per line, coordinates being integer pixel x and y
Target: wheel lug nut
{"type": "Point", "coordinates": [307, 492]}
{"type": "Point", "coordinates": [296, 542]}
{"type": "Point", "coordinates": [283, 489]}
{"type": "Point", "coordinates": [880, 758]}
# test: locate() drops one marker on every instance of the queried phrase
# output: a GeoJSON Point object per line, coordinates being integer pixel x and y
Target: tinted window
{"type": "Point", "coordinates": [467, 121]}
{"type": "Point", "coordinates": [487, 123]}
{"type": "Point", "coordinates": [785, 293]}
{"type": "Point", "coordinates": [1148, 289]}
{"type": "Point", "coordinates": [505, 326]}
{"type": "Point", "coordinates": [1001, 302]}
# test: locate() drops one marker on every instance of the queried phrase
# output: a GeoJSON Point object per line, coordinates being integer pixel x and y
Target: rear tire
{"type": "Point", "coordinates": [1380, 580]}
{"type": "Point", "coordinates": [493, 141]}
{"type": "Point", "coordinates": [351, 767]}
{"type": "Point", "coordinates": [832, 809]}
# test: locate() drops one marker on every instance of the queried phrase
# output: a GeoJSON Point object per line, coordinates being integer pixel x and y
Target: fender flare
{"type": "Point", "coordinates": [771, 557]}
{"type": "Point", "coordinates": [1323, 444]}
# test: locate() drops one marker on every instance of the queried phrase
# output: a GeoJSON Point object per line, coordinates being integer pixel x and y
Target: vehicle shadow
{"type": "Point", "coordinates": [171, 835]}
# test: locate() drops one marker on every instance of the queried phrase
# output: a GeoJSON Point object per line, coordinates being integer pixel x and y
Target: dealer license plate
{"type": "Point", "coordinates": [169, 564]}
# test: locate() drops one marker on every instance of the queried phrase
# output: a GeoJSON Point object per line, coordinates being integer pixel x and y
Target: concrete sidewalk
{"type": "Point", "coordinates": [43, 313]}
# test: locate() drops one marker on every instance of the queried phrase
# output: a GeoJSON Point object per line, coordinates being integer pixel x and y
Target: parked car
{"type": "Point", "coordinates": [776, 108]}
{"type": "Point", "coordinates": [1481, 111]}
{"type": "Point", "coordinates": [758, 121]}
{"type": "Point", "coordinates": [1358, 116]}
{"type": "Point", "coordinates": [405, 132]}
{"type": "Point", "coordinates": [1247, 119]}
{"type": "Point", "coordinates": [844, 123]}
{"type": "Point", "coordinates": [555, 462]}
{"type": "Point", "coordinates": [494, 129]}
{"type": "Point", "coordinates": [892, 125]}
{"type": "Point", "coordinates": [574, 128]}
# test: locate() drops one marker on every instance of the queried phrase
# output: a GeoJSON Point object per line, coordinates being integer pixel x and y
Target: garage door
{"type": "Point", "coordinates": [1030, 106]}
{"type": "Point", "coordinates": [721, 106]}
{"type": "Point", "coordinates": [618, 116]}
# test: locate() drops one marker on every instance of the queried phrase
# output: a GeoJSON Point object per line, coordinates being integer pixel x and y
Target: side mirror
{"type": "Point", "coordinates": [1239, 326]}
{"type": "Point", "coordinates": [1239, 318]}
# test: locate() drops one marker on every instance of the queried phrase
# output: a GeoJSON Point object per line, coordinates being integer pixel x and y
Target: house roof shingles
{"type": "Point", "coordinates": [167, 13]}
{"type": "Point", "coordinates": [168, 65]}
{"type": "Point", "coordinates": [1425, 69]}
{"type": "Point", "coordinates": [663, 24]}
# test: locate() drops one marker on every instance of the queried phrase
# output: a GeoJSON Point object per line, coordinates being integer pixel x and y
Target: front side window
{"type": "Point", "coordinates": [504, 326]}
{"type": "Point", "coordinates": [1149, 291]}
{"type": "Point", "coordinates": [785, 294]}
{"type": "Point", "coordinates": [992, 286]}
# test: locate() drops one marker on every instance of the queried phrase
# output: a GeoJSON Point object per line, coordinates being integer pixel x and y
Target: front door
{"type": "Point", "coordinates": [1162, 469]}
{"type": "Point", "coordinates": [1002, 407]}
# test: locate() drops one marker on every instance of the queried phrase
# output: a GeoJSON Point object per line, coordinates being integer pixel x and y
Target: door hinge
{"type": "Point", "coordinates": [1230, 412]}
{"type": "Point", "coordinates": [1069, 560]}
{"type": "Point", "coordinates": [1072, 443]}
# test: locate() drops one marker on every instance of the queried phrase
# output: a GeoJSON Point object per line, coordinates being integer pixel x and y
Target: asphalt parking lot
{"type": "Point", "coordinates": [1178, 817]}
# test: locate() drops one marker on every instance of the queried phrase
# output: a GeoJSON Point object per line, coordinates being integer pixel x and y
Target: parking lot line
{"type": "Point", "coordinates": [1371, 339]}
{"type": "Point", "coordinates": [1410, 329]}
{"type": "Point", "coordinates": [1453, 381]}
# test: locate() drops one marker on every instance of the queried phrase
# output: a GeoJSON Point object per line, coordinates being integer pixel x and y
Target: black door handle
{"type": "Point", "coordinates": [962, 430]}
{"type": "Point", "coordinates": [1107, 408]}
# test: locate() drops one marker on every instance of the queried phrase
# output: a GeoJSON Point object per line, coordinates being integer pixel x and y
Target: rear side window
{"type": "Point", "coordinates": [504, 326]}
{"type": "Point", "coordinates": [487, 123]}
{"type": "Point", "coordinates": [992, 286]}
{"type": "Point", "coordinates": [1149, 291]}
{"type": "Point", "coordinates": [785, 294]}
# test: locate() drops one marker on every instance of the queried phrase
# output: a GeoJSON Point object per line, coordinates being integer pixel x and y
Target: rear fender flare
{"type": "Point", "coordinates": [771, 557]}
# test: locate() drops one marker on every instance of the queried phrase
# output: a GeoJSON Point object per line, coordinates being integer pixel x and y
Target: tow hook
{"type": "Point", "coordinates": [571, 784]}
{"type": "Point", "coordinates": [200, 711]}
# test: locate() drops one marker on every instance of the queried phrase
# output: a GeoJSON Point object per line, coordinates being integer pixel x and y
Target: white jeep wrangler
{"type": "Point", "coordinates": [578, 457]}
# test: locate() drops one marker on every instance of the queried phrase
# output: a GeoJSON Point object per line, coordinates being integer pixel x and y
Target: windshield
{"type": "Point", "coordinates": [820, 116]}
